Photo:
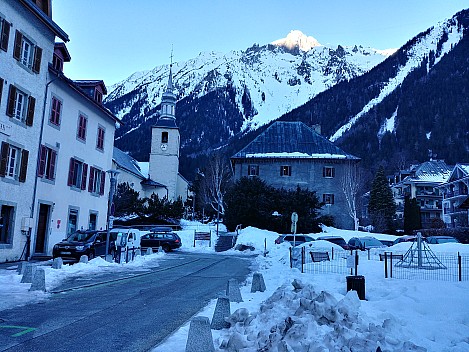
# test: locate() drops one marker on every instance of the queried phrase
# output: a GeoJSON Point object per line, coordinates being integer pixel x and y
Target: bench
{"type": "Point", "coordinates": [319, 256]}
{"type": "Point", "coordinates": [391, 256]}
{"type": "Point", "coordinates": [203, 236]}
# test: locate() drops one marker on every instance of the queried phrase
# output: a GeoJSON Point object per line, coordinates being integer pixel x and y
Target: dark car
{"type": "Point", "coordinates": [407, 238]}
{"type": "Point", "coordinates": [165, 239]}
{"type": "Point", "coordinates": [299, 239]}
{"type": "Point", "coordinates": [441, 239]}
{"type": "Point", "coordinates": [336, 240]}
{"type": "Point", "coordinates": [364, 243]}
{"type": "Point", "coordinates": [90, 243]}
{"type": "Point", "coordinates": [387, 243]}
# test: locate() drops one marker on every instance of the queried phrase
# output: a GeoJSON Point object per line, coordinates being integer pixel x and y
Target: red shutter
{"type": "Point", "coordinates": [17, 48]}
{"type": "Point", "coordinates": [83, 176]}
{"type": "Point", "coordinates": [30, 115]}
{"type": "Point", "coordinates": [70, 172]}
{"type": "Point", "coordinates": [37, 59]}
{"type": "Point", "coordinates": [1, 89]}
{"type": "Point", "coordinates": [3, 159]}
{"type": "Point", "coordinates": [103, 182]}
{"type": "Point", "coordinates": [42, 161]}
{"type": "Point", "coordinates": [11, 101]}
{"type": "Point", "coordinates": [5, 35]}
{"type": "Point", "coordinates": [24, 165]}
{"type": "Point", "coordinates": [53, 158]}
{"type": "Point", "coordinates": [90, 184]}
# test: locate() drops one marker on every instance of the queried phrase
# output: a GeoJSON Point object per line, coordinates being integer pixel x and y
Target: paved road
{"type": "Point", "coordinates": [130, 314]}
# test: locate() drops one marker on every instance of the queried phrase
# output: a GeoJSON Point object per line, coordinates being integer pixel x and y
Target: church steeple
{"type": "Point", "coordinates": [168, 101]}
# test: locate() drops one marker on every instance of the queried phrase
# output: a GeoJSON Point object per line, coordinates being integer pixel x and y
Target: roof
{"type": "Point", "coordinates": [46, 20]}
{"type": "Point", "coordinates": [150, 182]}
{"type": "Point", "coordinates": [292, 140]}
{"type": "Point", "coordinates": [167, 123]}
{"type": "Point", "coordinates": [126, 162]}
{"type": "Point", "coordinates": [435, 171]}
{"type": "Point", "coordinates": [63, 48]}
{"type": "Point", "coordinates": [91, 83]}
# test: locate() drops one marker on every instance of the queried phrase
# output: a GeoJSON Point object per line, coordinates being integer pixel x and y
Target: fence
{"type": "Point", "coordinates": [319, 262]}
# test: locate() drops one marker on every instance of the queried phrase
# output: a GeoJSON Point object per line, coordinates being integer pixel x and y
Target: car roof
{"type": "Point", "coordinates": [329, 237]}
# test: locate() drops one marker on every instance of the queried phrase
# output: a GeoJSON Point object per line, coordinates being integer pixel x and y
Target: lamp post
{"type": "Point", "coordinates": [112, 188]}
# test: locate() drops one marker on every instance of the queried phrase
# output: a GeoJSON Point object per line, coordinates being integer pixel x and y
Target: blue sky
{"type": "Point", "coordinates": [111, 39]}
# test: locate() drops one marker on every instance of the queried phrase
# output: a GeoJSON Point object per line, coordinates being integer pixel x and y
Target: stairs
{"type": "Point", "coordinates": [225, 242]}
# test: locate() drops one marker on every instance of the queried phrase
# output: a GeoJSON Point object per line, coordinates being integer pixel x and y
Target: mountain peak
{"type": "Point", "coordinates": [297, 39]}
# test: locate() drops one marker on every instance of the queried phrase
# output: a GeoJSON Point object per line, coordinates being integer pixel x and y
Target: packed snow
{"type": "Point", "coordinates": [307, 312]}
{"type": "Point", "coordinates": [297, 155]}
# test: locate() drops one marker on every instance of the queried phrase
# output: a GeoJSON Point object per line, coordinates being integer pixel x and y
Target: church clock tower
{"type": "Point", "coordinates": [165, 141]}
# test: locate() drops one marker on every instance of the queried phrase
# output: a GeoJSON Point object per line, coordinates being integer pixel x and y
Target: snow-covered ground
{"type": "Point", "coordinates": [317, 315]}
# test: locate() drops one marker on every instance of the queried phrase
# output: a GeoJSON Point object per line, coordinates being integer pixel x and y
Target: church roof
{"type": "Point", "coordinates": [292, 140]}
{"type": "Point", "coordinates": [126, 162]}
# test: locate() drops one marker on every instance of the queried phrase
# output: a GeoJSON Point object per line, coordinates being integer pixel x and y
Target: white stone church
{"type": "Point", "coordinates": [161, 174]}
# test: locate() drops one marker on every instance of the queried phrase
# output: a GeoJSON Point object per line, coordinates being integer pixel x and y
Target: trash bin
{"type": "Point", "coordinates": [357, 283]}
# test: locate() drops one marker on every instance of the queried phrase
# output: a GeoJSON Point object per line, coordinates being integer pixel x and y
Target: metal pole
{"type": "Point", "coordinates": [112, 187]}
{"type": "Point", "coordinates": [419, 249]}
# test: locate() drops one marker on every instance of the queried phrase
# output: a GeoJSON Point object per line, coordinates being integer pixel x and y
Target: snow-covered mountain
{"type": "Point", "coordinates": [264, 82]}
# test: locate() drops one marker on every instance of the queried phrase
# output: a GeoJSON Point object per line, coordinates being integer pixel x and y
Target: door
{"type": "Point", "coordinates": [42, 226]}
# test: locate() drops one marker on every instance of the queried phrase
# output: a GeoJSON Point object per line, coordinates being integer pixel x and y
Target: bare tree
{"type": "Point", "coordinates": [351, 183]}
{"type": "Point", "coordinates": [216, 178]}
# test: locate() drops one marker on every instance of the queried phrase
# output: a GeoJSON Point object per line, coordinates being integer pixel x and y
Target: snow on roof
{"type": "Point", "coordinates": [126, 162]}
{"type": "Point", "coordinates": [144, 168]}
{"type": "Point", "coordinates": [435, 171]}
{"type": "Point", "coordinates": [296, 155]}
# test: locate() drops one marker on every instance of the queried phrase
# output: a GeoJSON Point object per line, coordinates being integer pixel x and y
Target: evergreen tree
{"type": "Point", "coordinates": [127, 201]}
{"type": "Point", "coordinates": [412, 220]}
{"type": "Point", "coordinates": [381, 206]}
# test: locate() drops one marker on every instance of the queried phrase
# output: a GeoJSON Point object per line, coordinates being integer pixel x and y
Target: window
{"type": "Point", "coordinates": [285, 170]}
{"type": "Point", "coordinates": [164, 137]}
{"type": "Point", "coordinates": [56, 109]}
{"type": "Point", "coordinates": [1, 89]}
{"type": "Point", "coordinates": [57, 62]}
{"type": "Point", "coordinates": [13, 162]}
{"type": "Point", "coordinates": [4, 34]}
{"type": "Point", "coordinates": [92, 221]}
{"type": "Point", "coordinates": [77, 174]}
{"type": "Point", "coordinates": [98, 96]}
{"type": "Point", "coordinates": [6, 223]}
{"type": "Point", "coordinates": [72, 221]}
{"type": "Point", "coordinates": [100, 139]}
{"type": "Point", "coordinates": [253, 170]}
{"type": "Point", "coordinates": [47, 159]}
{"type": "Point", "coordinates": [328, 172]}
{"type": "Point", "coordinates": [21, 105]}
{"type": "Point", "coordinates": [28, 54]}
{"type": "Point", "coordinates": [328, 198]}
{"type": "Point", "coordinates": [97, 179]}
{"type": "Point", "coordinates": [81, 133]}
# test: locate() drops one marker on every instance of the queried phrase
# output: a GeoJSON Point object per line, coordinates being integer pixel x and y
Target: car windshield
{"type": "Point", "coordinates": [338, 241]}
{"type": "Point", "coordinates": [80, 237]}
{"type": "Point", "coordinates": [446, 240]}
{"type": "Point", "coordinates": [371, 242]}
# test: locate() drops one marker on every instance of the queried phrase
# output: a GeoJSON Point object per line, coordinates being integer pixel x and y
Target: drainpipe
{"type": "Point", "coordinates": [28, 239]}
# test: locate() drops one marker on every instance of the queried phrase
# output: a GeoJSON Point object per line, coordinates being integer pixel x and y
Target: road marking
{"type": "Point", "coordinates": [18, 334]}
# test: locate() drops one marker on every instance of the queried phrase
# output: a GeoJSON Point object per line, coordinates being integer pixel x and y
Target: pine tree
{"type": "Point", "coordinates": [412, 219]}
{"type": "Point", "coordinates": [381, 206]}
{"type": "Point", "coordinates": [127, 201]}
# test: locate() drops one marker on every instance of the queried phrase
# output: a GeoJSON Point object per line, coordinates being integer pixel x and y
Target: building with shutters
{"type": "Point", "coordinates": [26, 48]}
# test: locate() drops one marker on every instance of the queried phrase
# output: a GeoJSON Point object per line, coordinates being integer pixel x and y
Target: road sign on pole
{"type": "Point", "coordinates": [294, 220]}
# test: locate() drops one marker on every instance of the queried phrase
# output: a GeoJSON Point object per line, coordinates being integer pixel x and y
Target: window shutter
{"type": "Point", "coordinates": [37, 59]}
{"type": "Point", "coordinates": [30, 115]}
{"type": "Point", "coordinates": [103, 182]}
{"type": "Point", "coordinates": [323, 172]}
{"type": "Point", "coordinates": [11, 101]}
{"type": "Point", "coordinates": [83, 176]}
{"type": "Point", "coordinates": [1, 89]}
{"type": "Point", "coordinates": [53, 158]}
{"type": "Point", "coordinates": [24, 165]}
{"type": "Point", "coordinates": [3, 160]}
{"type": "Point", "coordinates": [5, 35]}
{"type": "Point", "coordinates": [333, 172]}
{"type": "Point", "coordinates": [17, 48]}
{"type": "Point", "coordinates": [70, 172]}
{"type": "Point", "coordinates": [90, 184]}
{"type": "Point", "coordinates": [42, 161]}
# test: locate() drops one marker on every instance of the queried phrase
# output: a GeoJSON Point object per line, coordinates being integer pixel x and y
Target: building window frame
{"type": "Point", "coordinates": [47, 162]}
{"type": "Point", "coordinates": [13, 162]}
{"type": "Point", "coordinates": [57, 62]}
{"type": "Point", "coordinates": [164, 137]}
{"type": "Point", "coordinates": [82, 126]}
{"type": "Point", "coordinates": [328, 172]}
{"type": "Point", "coordinates": [55, 111]}
{"type": "Point", "coordinates": [328, 198]}
{"type": "Point", "coordinates": [21, 105]}
{"type": "Point", "coordinates": [98, 96]}
{"type": "Point", "coordinates": [7, 222]}
{"type": "Point", "coordinates": [27, 52]}
{"type": "Point", "coordinates": [72, 220]}
{"type": "Point", "coordinates": [77, 174]}
{"type": "Point", "coordinates": [4, 34]}
{"type": "Point", "coordinates": [285, 170]}
{"type": "Point", "coordinates": [96, 181]}
{"type": "Point", "coordinates": [253, 170]}
{"type": "Point", "coordinates": [100, 138]}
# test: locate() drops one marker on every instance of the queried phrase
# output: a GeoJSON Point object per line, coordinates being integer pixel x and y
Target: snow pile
{"type": "Point", "coordinates": [302, 319]}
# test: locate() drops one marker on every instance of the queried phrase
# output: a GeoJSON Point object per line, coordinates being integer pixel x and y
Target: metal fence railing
{"type": "Point", "coordinates": [319, 262]}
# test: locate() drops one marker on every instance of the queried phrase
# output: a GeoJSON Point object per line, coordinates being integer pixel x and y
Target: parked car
{"type": "Point", "coordinates": [364, 243]}
{"type": "Point", "coordinates": [90, 243]}
{"type": "Point", "coordinates": [441, 239]}
{"type": "Point", "coordinates": [407, 238]}
{"type": "Point", "coordinates": [336, 240]}
{"type": "Point", "coordinates": [387, 243]}
{"type": "Point", "coordinates": [299, 239]}
{"type": "Point", "coordinates": [165, 239]}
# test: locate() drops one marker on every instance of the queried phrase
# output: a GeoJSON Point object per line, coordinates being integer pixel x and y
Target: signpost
{"type": "Point", "coordinates": [294, 220]}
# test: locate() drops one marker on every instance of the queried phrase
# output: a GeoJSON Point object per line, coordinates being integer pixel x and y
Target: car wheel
{"type": "Point", "coordinates": [90, 255]}
{"type": "Point", "coordinates": [166, 248]}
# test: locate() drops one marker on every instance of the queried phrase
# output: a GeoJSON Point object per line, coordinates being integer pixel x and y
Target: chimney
{"type": "Point", "coordinates": [317, 128]}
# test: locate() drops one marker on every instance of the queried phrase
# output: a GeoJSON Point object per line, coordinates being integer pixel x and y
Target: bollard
{"type": "Point", "coordinates": [233, 292]}
{"type": "Point", "coordinates": [160, 249]}
{"type": "Point", "coordinates": [57, 263]}
{"type": "Point", "coordinates": [28, 273]}
{"type": "Point", "coordinates": [257, 283]}
{"type": "Point", "coordinates": [200, 338]}
{"type": "Point", "coordinates": [39, 281]}
{"type": "Point", "coordinates": [21, 267]}
{"type": "Point", "coordinates": [138, 253]}
{"type": "Point", "coordinates": [222, 311]}
{"type": "Point", "coordinates": [84, 259]}
{"type": "Point", "coordinates": [149, 251]}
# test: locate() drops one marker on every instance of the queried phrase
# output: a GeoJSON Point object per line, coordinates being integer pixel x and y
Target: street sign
{"type": "Point", "coordinates": [294, 217]}
{"type": "Point", "coordinates": [294, 220]}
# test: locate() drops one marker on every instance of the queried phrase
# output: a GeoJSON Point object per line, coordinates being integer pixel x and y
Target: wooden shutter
{"type": "Point", "coordinates": [42, 161]}
{"type": "Point", "coordinates": [24, 165]}
{"type": "Point", "coordinates": [37, 59]}
{"type": "Point", "coordinates": [5, 35]}
{"type": "Point", "coordinates": [1, 89]}
{"type": "Point", "coordinates": [31, 107]}
{"type": "Point", "coordinates": [90, 184]}
{"type": "Point", "coordinates": [3, 159]}
{"type": "Point", "coordinates": [103, 182]}
{"type": "Point", "coordinates": [11, 101]}
{"type": "Point", "coordinates": [70, 172]}
{"type": "Point", "coordinates": [84, 174]}
{"type": "Point", "coordinates": [53, 158]}
{"type": "Point", "coordinates": [17, 48]}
